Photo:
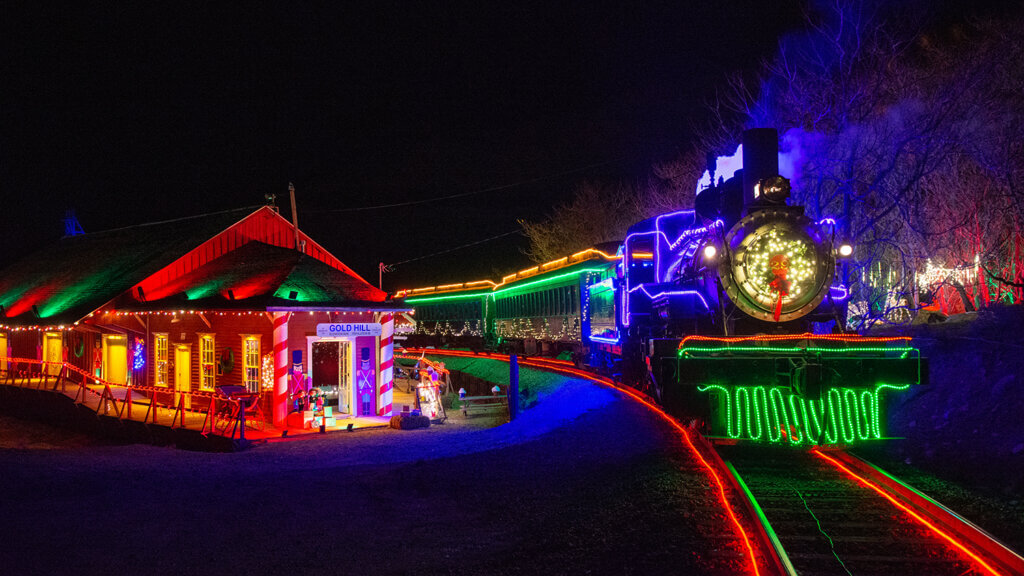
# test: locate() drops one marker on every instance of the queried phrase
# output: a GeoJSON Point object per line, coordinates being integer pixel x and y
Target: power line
{"type": "Point", "coordinates": [474, 192]}
{"type": "Point", "coordinates": [391, 266]}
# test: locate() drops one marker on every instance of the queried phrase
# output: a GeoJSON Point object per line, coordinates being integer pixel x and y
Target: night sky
{"type": "Point", "coordinates": [132, 114]}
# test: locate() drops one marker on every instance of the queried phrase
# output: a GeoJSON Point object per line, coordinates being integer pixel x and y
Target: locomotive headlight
{"type": "Point", "coordinates": [709, 252]}
{"type": "Point", "coordinates": [773, 189]}
{"type": "Point", "coordinates": [845, 250]}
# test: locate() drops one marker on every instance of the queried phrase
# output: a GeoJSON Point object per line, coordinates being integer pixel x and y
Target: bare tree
{"type": "Point", "coordinates": [903, 132]}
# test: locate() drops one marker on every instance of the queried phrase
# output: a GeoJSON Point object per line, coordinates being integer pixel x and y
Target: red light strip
{"type": "Point", "coordinates": [916, 516]}
{"type": "Point", "coordinates": [556, 366]}
{"type": "Point", "coordinates": [805, 336]}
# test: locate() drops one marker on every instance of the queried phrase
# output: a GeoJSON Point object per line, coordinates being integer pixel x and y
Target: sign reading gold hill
{"type": "Point", "coordinates": [347, 329]}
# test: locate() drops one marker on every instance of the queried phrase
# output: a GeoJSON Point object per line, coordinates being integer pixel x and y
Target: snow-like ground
{"type": "Point", "coordinates": [583, 482]}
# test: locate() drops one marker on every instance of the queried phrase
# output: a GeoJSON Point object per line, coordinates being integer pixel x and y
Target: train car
{"type": "Point", "coordinates": [540, 310]}
{"type": "Point", "coordinates": [723, 325]}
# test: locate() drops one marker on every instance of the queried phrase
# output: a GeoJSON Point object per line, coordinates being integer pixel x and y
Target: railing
{"type": "Point", "coordinates": [221, 416]}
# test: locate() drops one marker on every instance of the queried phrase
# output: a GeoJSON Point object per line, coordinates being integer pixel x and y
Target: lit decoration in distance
{"type": "Point", "coordinates": [964, 275]}
{"type": "Point", "coordinates": [139, 354]}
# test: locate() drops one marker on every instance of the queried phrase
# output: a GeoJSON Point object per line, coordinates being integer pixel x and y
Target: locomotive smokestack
{"type": "Point", "coordinates": [760, 158]}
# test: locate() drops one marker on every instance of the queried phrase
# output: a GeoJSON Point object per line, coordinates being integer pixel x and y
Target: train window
{"type": "Point", "coordinates": [574, 297]}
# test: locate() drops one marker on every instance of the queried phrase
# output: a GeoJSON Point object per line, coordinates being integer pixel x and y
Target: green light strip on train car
{"type": "Point", "coordinates": [542, 281]}
{"type": "Point", "coordinates": [774, 414]}
{"type": "Point", "coordinates": [426, 299]}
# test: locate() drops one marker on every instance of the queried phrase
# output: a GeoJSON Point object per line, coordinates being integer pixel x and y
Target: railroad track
{"type": "Point", "coordinates": [828, 512]}
{"type": "Point", "coordinates": [825, 512]}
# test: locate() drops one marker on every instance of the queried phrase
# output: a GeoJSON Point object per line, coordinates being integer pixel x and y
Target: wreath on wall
{"type": "Point", "coordinates": [79, 345]}
{"type": "Point", "coordinates": [226, 362]}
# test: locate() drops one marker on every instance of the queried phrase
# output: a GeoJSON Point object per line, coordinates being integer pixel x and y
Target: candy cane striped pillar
{"type": "Point", "coordinates": [387, 363]}
{"type": "Point", "coordinates": [281, 367]}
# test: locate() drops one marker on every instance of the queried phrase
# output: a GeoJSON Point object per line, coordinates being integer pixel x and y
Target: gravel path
{"type": "Point", "coordinates": [585, 482]}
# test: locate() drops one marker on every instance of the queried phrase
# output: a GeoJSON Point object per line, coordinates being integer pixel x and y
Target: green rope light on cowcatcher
{"type": "Point", "coordinates": [776, 415]}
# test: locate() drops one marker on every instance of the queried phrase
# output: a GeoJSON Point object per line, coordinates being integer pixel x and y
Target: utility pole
{"type": "Point", "coordinates": [295, 215]}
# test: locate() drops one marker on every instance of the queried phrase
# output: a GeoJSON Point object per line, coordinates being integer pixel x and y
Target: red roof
{"type": "Point", "coordinates": [65, 281]}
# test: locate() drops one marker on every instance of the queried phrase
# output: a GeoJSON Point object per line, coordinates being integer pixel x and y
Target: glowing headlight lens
{"type": "Point", "coordinates": [710, 252]}
{"type": "Point", "coordinates": [845, 250]}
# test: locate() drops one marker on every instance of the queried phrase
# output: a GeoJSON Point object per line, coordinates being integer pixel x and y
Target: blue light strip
{"type": "Point", "coordinates": [643, 289]}
{"type": "Point", "coordinates": [658, 233]}
{"type": "Point", "coordinates": [841, 289]}
{"type": "Point", "coordinates": [604, 340]}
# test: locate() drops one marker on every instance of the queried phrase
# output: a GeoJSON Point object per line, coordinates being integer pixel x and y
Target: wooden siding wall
{"type": "Point", "coordinates": [264, 226]}
{"type": "Point", "coordinates": [227, 331]}
{"type": "Point", "coordinates": [88, 340]}
{"type": "Point", "coordinates": [24, 344]}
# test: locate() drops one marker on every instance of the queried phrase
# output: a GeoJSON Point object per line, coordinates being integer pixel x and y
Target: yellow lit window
{"type": "Point", "coordinates": [207, 366]}
{"type": "Point", "coordinates": [251, 352]}
{"type": "Point", "coordinates": [160, 349]}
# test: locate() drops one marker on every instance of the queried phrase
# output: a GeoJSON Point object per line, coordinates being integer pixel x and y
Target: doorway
{"type": "Point", "coordinates": [53, 351]}
{"type": "Point", "coordinates": [183, 371]}
{"type": "Point", "coordinates": [115, 358]}
{"type": "Point", "coordinates": [332, 371]}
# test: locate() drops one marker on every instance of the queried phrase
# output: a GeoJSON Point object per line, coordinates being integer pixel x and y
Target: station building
{"type": "Point", "coordinates": [232, 298]}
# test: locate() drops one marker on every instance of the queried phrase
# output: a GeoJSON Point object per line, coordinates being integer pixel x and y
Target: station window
{"type": "Point", "coordinates": [251, 366]}
{"type": "Point", "coordinates": [207, 366]}
{"type": "Point", "coordinates": [160, 352]}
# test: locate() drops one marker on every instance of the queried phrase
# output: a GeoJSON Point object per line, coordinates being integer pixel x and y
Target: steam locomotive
{"type": "Point", "coordinates": [728, 315]}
